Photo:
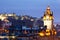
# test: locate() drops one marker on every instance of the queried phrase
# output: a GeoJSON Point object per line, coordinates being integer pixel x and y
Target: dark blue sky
{"type": "Point", "coordinates": [33, 8]}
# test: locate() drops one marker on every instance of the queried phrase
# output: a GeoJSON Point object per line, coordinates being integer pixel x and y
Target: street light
{"type": "Point", "coordinates": [54, 32]}
{"type": "Point", "coordinates": [42, 33]}
{"type": "Point", "coordinates": [47, 32]}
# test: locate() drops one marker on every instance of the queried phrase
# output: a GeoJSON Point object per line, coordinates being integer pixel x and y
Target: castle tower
{"type": "Point", "coordinates": [48, 18]}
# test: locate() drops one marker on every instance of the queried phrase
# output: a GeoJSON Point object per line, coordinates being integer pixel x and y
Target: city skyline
{"type": "Point", "coordinates": [35, 8]}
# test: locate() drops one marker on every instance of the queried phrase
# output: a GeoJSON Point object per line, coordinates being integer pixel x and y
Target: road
{"type": "Point", "coordinates": [40, 38]}
{"type": "Point", "coordinates": [30, 38]}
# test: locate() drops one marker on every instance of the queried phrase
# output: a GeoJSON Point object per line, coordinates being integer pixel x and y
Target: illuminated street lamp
{"type": "Point", "coordinates": [41, 34]}
{"type": "Point", "coordinates": [47, 32]}
{"type": "Point", "coordinates": [7, 31]}
{"type": "Point", "coordinates": [54, 32]}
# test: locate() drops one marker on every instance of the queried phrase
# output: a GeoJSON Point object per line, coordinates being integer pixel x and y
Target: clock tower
{"type": "Point", "coordinates": [48, 18]}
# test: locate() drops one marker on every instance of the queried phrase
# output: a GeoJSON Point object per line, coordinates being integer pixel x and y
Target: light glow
{"type": "Point", "coordinates": [41, 34]}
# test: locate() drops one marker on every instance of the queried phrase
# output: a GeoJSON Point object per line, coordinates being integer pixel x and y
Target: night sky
{"type": "Point", "coordinates": [33, 8]}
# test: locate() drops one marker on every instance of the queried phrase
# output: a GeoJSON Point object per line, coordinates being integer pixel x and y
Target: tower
{"type": "Point", "coordinates": [48, 18]}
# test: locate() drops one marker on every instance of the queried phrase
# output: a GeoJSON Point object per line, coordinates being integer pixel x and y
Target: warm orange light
{"type": "Point", "coordinates": [47, 30]}
{"type": "Point", "coordinates": [41, 34]}
{"type": "Point", "coordinates": [6, 31]}
{"type": "Point", "coordinates": [48, 34]}
{"type": "Point", "coordinates": [54, 32]}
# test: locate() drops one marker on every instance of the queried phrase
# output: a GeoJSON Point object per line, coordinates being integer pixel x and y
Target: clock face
{"type": "Point", "coordinates": [47, 17]}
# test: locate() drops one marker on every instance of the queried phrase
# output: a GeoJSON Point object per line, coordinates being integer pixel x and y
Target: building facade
{"type": "Point", "coordinates": [5, 16]}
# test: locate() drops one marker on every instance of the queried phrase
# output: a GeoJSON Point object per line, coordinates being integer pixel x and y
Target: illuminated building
{"type": "Point", "coordinates": [4, 16]}
{"type": "Point", "coordinates": [11, 14]}
{"type": "Point", "coordinates": [48, 18]}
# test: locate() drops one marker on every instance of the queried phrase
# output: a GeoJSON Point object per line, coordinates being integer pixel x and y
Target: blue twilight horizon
{"type": "Point", "coordinates": [33, 8]}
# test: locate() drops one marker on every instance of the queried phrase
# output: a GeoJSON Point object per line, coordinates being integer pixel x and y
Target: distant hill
{"type": "Point", "coordinates": [56, 22]}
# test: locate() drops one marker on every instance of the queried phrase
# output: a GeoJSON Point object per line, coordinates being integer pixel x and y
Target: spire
{"type": "Point", "coordinates": [48, 8]}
